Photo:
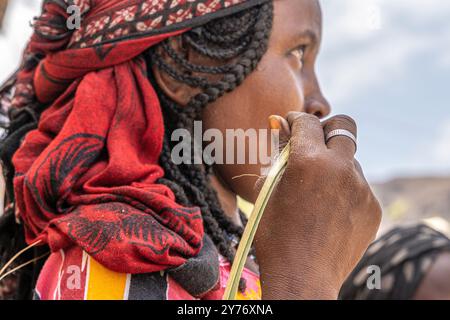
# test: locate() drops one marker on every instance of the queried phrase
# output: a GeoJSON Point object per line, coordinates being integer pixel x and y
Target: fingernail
{"type": "Point", "coordinates": [274, 123]}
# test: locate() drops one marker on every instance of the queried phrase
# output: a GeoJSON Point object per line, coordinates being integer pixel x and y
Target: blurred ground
{"type": "Point", "coordinates": [410, 200]}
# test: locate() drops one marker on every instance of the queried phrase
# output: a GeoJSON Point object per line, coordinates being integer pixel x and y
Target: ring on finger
{"type": "Point", "coordinates": [341, 133]}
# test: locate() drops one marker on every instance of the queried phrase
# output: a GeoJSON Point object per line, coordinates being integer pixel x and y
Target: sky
{"type": "Point", "coordinates": [386, 63]}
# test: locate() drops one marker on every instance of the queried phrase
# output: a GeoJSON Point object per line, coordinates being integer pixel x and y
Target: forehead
{"type": "Point", "coordinates": [296, 16]}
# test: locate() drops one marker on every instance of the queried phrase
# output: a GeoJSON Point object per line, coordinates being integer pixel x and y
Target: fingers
{"type": "Point", "coordinates": [284, 131]}
{"type": "Point", "coordinates": [303, 130]}
{"type": "Point", "coordinates": [306, 132]}
{"type": "Point", "coordinates": [342, 145]}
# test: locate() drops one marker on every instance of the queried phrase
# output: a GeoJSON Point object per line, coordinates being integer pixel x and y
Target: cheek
{"type": "Point", "coordinates": [271, 89]}
{"type": "Point", "coordinates": [280, 89]}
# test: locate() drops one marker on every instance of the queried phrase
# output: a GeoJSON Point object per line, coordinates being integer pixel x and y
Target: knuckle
{"type": "Point", "coordinates": [370, 207]}
{"type": "Point", "coordinates": [341, 122]}
{"type": "Point", "coordinates": [377, 210]}
{"type": "Point", "coordinates": [292, 117]}
{"type": "Point", "coordinates": [344, 170]}
{"type": "Point", "coordinates": [311, 119]}
{"type": "Point", "coordinates": [312, 158]}
{"type": "Point", "coordinates": [324, 165]}
{"type": "Point", "coordinates": [295, 118]}
{"type": "Point", "coordinates": [310, 166]}
{"type": "Point", "coordinates": [346, 118]}
{"type": "Point", "coordinates": [299, 161]}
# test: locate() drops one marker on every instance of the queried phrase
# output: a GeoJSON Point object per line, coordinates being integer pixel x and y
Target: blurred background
{"type": "Point", "coordinates": [387, 64]}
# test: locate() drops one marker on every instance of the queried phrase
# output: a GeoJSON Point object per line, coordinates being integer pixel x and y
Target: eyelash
{"type": "Point", "coordinates": [299, 53]}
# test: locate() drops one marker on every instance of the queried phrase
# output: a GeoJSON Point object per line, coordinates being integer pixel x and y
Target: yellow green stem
{"type": "Point", "coordinates": [240, 259]}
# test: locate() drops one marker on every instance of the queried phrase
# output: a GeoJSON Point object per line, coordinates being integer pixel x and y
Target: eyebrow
{"type": "Point", "coordinates": [308, 34]}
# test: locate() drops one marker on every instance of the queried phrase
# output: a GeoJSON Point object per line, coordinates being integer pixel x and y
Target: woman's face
{"type": "Point", "coordinates": [284, 81]}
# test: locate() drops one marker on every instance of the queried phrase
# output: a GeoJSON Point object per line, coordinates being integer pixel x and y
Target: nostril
{"type": "Point", "coordinates": [318, 107]}
{"type": "Point", "coordinates": [318, 114]}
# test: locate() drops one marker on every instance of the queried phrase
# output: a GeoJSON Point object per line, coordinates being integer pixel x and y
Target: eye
{"type": "Point", "coordinates": [299, 54]}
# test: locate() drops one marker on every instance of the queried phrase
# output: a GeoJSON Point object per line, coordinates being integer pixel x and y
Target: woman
{"type": "Point", "coordinates": [414, 262]}
{"type": "Point", "coordinates": [95, 182]}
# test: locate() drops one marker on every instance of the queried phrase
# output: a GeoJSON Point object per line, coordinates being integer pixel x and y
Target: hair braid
{"type": "Point", "coordinates": [239, 42]}
{"type": "Point", "coordinates": [12, 235]}
{"type": "Point", "coordinates": [220, 33]}
{"type": "Point", "coordinates": [218, 54]}
{"type": "Point", "coordinates": [190, 66]}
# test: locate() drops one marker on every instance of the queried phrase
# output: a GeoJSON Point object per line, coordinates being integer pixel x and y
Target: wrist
{"type": "Point", "coordinates": [291, 275]}
{"type": "Point", "coordinates": [288, 287]}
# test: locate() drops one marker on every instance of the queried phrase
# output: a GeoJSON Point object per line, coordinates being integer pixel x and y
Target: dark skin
{"type": "Point", "coordinates": [322, 215]}
{"type": "Point", "coordinates": [436, 283]}
{"type": "Point", "coordinates": [284, 81]}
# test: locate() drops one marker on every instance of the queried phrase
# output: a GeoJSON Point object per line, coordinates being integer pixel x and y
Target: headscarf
{"type": "Point", "coordinates": [87, 176]}
{"type": "Point", "coordinates": [404, 256]}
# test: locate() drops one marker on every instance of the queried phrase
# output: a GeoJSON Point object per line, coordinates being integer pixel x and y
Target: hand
{"type": "Point", "coordinates": [321, 217]}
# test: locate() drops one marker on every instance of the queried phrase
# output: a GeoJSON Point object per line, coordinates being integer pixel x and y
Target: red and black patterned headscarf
{"type": "Point", "coordinates": [88, 174]}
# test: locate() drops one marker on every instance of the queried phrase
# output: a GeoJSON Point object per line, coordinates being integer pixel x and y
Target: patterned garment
{"type": "Point", "coordinates": [85, 176]}
{"type": "Point", "coordinates": [72, 274]}
{"type": "Point", "coordinates": [112, 32]}
{"type": "Point", "coordinates": [404, 255]}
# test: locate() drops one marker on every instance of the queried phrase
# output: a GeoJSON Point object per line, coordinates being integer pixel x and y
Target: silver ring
{"type": "Point", "coordinates": [341, 133]}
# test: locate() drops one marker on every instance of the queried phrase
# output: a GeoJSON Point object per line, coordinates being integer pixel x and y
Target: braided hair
{"type": "Point", "coordinates": [237, 43]}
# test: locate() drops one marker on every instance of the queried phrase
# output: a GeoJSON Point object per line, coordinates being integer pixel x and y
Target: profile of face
{"type": "Point", "coordinates": [284, 81]}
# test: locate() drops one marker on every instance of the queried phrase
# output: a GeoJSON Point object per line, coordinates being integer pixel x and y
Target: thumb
{"type": "Point", "coordinates": [281, 126]}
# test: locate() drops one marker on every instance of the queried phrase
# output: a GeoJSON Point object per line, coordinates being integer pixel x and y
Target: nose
{"type": "Point", "coordinates": [315, 102]}
{"type": "Point", "coordinates": [317, 105]}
